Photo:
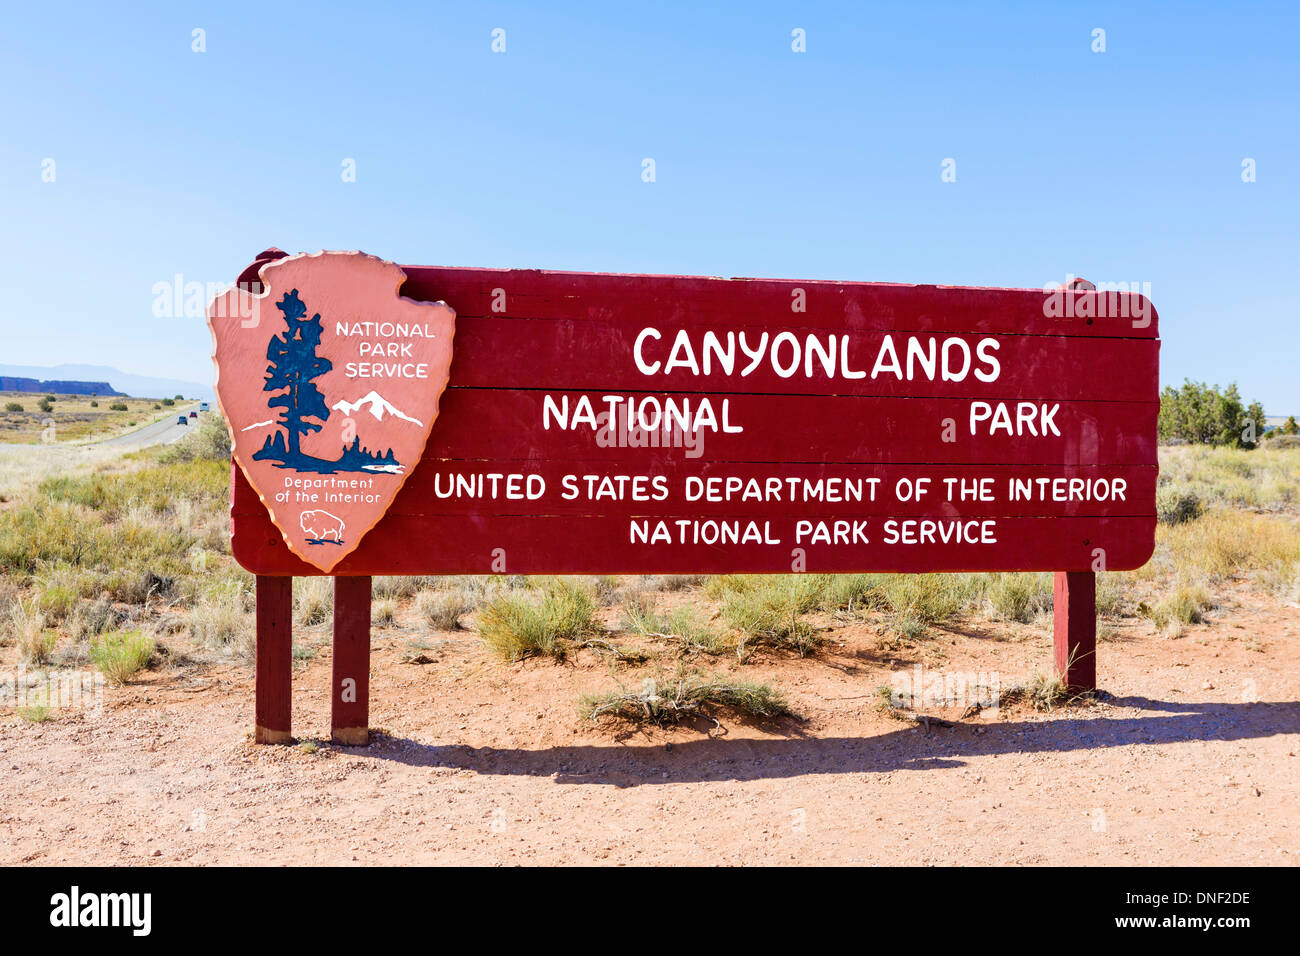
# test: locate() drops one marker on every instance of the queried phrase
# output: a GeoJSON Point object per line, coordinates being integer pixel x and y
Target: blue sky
{"type": "Point", "coordinates": [1120, 166]}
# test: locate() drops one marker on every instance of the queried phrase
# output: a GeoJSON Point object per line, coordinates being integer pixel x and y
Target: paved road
{"type": "Point", "coordinates": [159, 433]}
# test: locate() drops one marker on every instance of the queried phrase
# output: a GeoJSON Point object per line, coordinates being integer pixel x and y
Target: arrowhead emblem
{"type": "Point", "coordinates": [329, 381]}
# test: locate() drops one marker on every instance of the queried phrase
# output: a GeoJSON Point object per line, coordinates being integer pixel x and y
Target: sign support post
{"type": "Point", "coordinates": [350, 681]}
{"type": "Point", "coordinates": [274, 680]}
{"type": "Point", "coordinates": [1074, 628]}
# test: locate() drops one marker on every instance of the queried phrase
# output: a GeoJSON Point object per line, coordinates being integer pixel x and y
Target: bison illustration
{"type": "Point", "coordinates": [320, 525]}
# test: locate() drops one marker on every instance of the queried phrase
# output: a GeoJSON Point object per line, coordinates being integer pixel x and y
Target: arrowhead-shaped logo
{"type": "Point", "coordinates": [329, 381]}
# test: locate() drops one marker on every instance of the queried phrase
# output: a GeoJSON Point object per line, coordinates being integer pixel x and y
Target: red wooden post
{"type": "Point", "coordinates": [274, 681]}
{"type": "Point", "coordinates": [1074, 620]}
{"type": "Point", "coordinates": [350, 687]}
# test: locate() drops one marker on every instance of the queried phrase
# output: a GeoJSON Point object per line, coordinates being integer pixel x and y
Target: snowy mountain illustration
{"type": "Point", "coordinates": [379, 407]}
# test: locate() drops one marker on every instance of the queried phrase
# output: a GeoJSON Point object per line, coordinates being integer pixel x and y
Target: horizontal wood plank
{"type": "Point", "coordinates": [527, 293]}
{"type": "Point", "coordinates": [600, 545]}
{"type": "Point", "coordinates": [483, 423]}
{"type": "Point", "coordinates": [570, 353]}
{"type": "Point", "coordinates": [664, 485]}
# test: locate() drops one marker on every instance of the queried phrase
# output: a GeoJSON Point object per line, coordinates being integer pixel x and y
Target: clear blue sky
{"type": "Point", "coordinates": [1119, 166]}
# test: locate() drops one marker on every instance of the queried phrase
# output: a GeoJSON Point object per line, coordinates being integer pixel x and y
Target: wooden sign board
{"type": "Point", "coordinates": [599, 423]}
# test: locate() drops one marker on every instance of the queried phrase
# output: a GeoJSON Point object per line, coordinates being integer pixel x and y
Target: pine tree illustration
{"type": "Point", "coordinates": [293, 365]}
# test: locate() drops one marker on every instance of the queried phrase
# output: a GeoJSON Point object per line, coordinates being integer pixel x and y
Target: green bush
{"type": "Point", "coordinates": [44, 405]}
{"type": "Point", "coordinates": [1202, 414]}
{"type": "Point", "coordinates": [13, 407]}
{"type": "Point", "coordinates": [169, 402]}
{"type": "Point", "coordinates": [518, 626]}
{"type": "Point", "coordinates": [118, 406]}
{"type": "Point", "coordinates": [122, 655]}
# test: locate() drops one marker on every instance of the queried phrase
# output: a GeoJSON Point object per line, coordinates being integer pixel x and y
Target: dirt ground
{"type": "Point", "coordinates": [1190, 757]}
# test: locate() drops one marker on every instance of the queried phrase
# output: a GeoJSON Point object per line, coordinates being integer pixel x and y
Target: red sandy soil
{"type": "Point", "coordinates": [1189, 758]}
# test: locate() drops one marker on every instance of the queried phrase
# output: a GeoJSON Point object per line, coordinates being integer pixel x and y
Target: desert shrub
{"type": "Point", "coordinates": [398, 586]}
{"type": "Point", "coordinates": [94, 404]}
{"type": "Point", "coordinates": [92, 618]}
{"type": "Point", "coordinates": [383, 612]}
{"type": "Point", "coordinates": [915, 602]}
{"type": "Point", "coordinates": [169, 402]}
{"type": "Point", "coordinates": [850, 592]}
{"type": "Point", "coordinates": [1019, 595]}
{"type": "Point", "coordinates": [769, 610]}
{"type": "Point", "coordinates": [45, 405]}
{"type": "Point", "coordinates": [208, 441]}
{"type": "Point", "coordinates": [441, 610]}
{"type": "Point", "coordinates": [13, 407]}
{"type": "Point", "coordinates": [677, 582]}
{"type": "Point", "coordinates": [605, 588]}
{"type": "Point", "coordinates": [640, 616]}
{"type": "Point", "coordinates": [25, 627]}
{"type": "Point", "coordinates": [220, 618]}
{"type": "Point", "coordinates": [1186, 604]}
{"type": "Point", "coordinates": [118, 406]}
{"type": "Point", "coordinates": [1225, 543]}
{"type": "Point", "coordinates": [668, 700]}
{"type": "Point", "coordinates": [313, 600]}
{"type": "Point", "coordinates": [515, 626]}
{"type": "Point", "coordinates": [120, 656]}
{"type": "Point", "coordinates": [1176, 504]}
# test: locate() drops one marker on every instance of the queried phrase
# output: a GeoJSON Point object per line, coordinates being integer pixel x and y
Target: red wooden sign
{"type": "Point", "coordinates": [614, 424]}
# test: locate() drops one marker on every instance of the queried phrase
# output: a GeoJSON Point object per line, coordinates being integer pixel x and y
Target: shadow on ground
{"type": "Point", "coordinates": [908, 748]}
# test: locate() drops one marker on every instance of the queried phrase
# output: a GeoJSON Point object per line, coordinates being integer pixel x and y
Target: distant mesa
{"type": "Point", "coordinates": [10, 383]}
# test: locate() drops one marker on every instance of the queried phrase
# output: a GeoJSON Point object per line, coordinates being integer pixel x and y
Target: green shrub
{"type": "Point", "coordinates": [208, 441]}
{"type": "Point", "coordinates": [769, 610]}
{"type": "Point", "coordinates": [681, 627]}
{"type": "Point", "coordinates": [13, 407]}
{"type": "Point", "coordinates": [1020, 595]}
{"type": "Point", "coordinates": [169, 402]}
{"type": "Point", "coordinates": [122, 655]}
{"type": "Point", "coordinates": [515, 626]}
{"type": "Point", "coordinates": [118, 406]}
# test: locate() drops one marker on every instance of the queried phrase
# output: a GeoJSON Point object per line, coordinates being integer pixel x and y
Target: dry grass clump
{"type": "Point", "coordinates": [541, 622]}
{"type": "Point", "coordinates": [313, 600]}
{"type": "Point", "coordinates": [1266, 478]}
{"type": "Point", "coordinates": [669, 700]}
{"type": "Point", "coordinates": [383, 613]}
{"type": "Point", "coordinates": [25, 627]}
{"type": "Point", "coordinates": [1185, 605]}
{"type": "Point", "coordinates": [92, 618]}
{"type": "Point", "coordinates": [770, 609]}
{"type": "Point", "coordinates": [398, 586]}
{"type": "Point", "coordinates": [915, 602]}
{"type": "Point", "coordinates": [1019, 595]}
{"type": "Point", "coordinates": [221, 618]}
{"type": "Point", "coordinates": [680, 627]}
{"type": "Point", "coordinates": [1041, 691]}
{"type": "Point", "coordinates": [442, 610]}
{"type": "Point", "coordinates": [120, 656]}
